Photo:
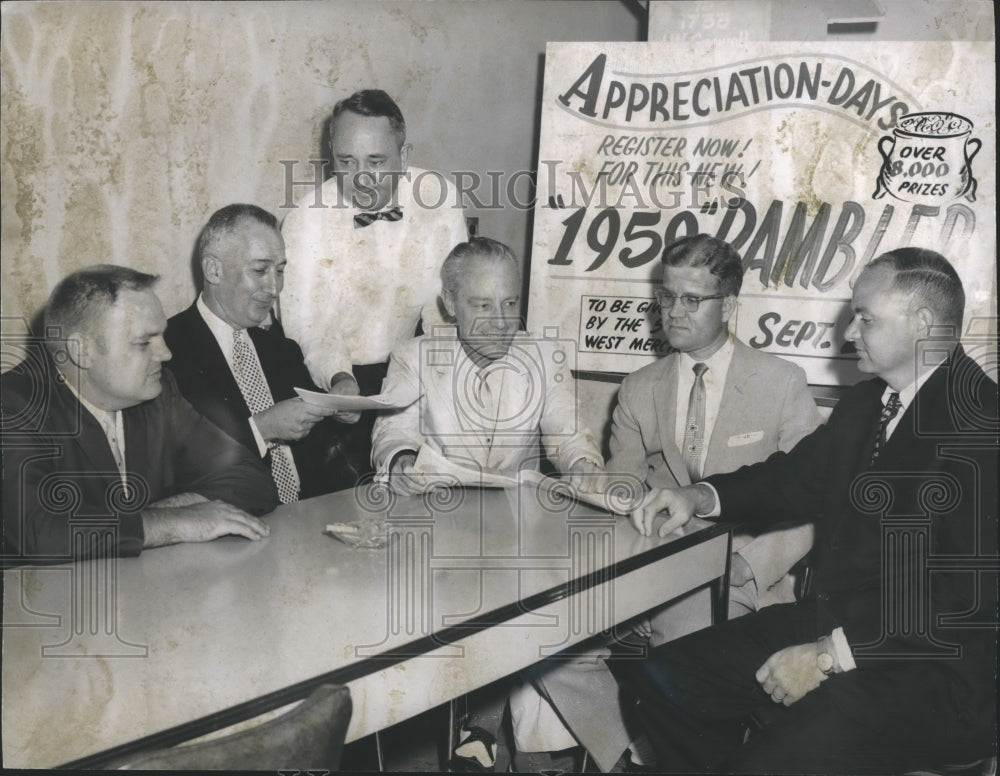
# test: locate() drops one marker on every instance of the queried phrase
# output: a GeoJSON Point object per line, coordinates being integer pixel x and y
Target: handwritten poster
{"type": "Point", "coordinates": [810, 158]}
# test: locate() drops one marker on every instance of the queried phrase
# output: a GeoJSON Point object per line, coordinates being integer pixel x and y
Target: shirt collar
{"type": "Point", "coordinates": [909, 392]}
{"type": "Point", "coordinates": [717, 363]}
{"type": "Point", "coordinates": [221, 330]}
{"type": "Point", "coordinates": [103, 417]}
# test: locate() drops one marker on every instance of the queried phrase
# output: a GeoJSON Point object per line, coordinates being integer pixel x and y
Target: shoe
{"type": "Point", "coordinates": [633, 767]}
{"type": "Point", "coordinates": [476, 751]}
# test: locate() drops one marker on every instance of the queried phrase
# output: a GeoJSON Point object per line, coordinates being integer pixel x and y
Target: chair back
{"type": "Point", "coordinates": [309, 737]}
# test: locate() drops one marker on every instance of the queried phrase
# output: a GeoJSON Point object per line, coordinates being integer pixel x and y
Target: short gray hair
{"type": "Point", "coordinates": [930, 280]}
{"type": "Point", "coordinates": [77, 297]}
{"type": "Point", "coordinates": [483, 247]}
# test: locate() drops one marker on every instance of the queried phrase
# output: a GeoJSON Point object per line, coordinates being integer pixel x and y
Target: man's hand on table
{"type": "Point", "coordinates": [199, 522]}
{"type": "Point", "coordinates": [403, 481]}
{"type": "Point", "coordinates": [680, 504]}
{"type": "Point", "coordinates": [587, 477]}
{"type": "Point", "coordinates": [344, 384]}
{"type": "Point", "coordinates": [791, 673]}
{"type": "Point", "coordinates": [288, 420]}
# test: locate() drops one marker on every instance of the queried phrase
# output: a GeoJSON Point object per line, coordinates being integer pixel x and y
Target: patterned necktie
{"type": "Point", "coordinates": [889, 411]}
{"type": "Point", "coordinates": [365, 218]}
{"type": "Point", "coordinates": [257, 395]}
{"type": "Point", "coordinates": [694, 426]}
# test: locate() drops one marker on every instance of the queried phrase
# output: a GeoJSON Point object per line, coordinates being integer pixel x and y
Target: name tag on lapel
{"type": "Point", "coordinates": [738, 440]}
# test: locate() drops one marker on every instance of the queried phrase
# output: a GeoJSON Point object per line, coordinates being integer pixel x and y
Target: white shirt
{"type": "Point", "coordinates": [353, 293]}
{"type": "Point", "coordinates": [906, 397]}
{"type": "Point", "coordinates": [715, 383]}
{"type": "Point", "coordinates": [223, 334]}
{"type": "Point", "coordinates": [112, 424]}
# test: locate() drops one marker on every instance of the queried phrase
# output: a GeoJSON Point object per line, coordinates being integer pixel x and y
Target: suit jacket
{"type": "Point", "coordinates": [766, 406]}
{"type": "Point", "coordinates": [57, 464]}
{"type": "Point", "coordinates": [206, 381]}
{"type": "Point", "coordinates": [918, 529]}
{"type": "Point", "coordinates": [537, 402]}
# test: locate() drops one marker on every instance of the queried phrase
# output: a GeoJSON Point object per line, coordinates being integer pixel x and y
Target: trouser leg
{"type": "Point", "coordinates": [695, 694]}
{"type": "Point", "coordinates": [884, 720]}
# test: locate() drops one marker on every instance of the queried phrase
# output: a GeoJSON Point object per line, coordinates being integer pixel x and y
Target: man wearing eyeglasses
{"type": "Point", "coordinates": [711, 406]}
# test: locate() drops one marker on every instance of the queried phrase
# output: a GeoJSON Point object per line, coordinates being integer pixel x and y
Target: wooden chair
{"type": "Point", "coordinates": [309, 737]}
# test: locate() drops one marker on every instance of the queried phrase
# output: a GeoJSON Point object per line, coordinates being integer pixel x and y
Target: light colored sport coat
{"type": "Point", "coordinates": [766, 407]}
{"type": "Point", "coordinates": [537, 403]}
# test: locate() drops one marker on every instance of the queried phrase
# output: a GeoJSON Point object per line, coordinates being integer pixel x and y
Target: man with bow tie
{"type": "Point", "coordinates": [889, 667]}
{"type": "Point", "coordinates": [363, 267]}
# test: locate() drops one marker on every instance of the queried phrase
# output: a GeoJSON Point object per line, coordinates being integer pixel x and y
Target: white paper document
{"type": "Point", "coordinates": [339, 403]}
{"type": "Point", "coordinates": [446, 472]}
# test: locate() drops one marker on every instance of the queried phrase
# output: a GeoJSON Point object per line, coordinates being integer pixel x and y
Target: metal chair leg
{"type": "Point", "coordinates": [378, 752]}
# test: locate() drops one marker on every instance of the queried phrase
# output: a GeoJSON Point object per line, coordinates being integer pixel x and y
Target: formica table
{"type": "Point", "coordinates": [111, 656]}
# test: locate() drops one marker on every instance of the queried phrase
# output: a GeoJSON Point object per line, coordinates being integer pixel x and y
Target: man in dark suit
{"type": "Point", "coordinates": [101, 453]}
{"type": "Point", "coordinates": [890, 666]}
{"type": "Point", "coordinates": [224, 362]}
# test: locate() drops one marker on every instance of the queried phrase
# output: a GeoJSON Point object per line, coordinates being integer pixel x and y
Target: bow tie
{"type": "Point", "coordinates": [366, 218]}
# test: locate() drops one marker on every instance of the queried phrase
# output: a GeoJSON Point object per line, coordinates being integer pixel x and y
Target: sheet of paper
{"type": "Point", "coordinates": [618, 501]}
{"type": "Point", "coordinates": [337, 403]}
{"type": "Point", "coordinates": [430, 462]}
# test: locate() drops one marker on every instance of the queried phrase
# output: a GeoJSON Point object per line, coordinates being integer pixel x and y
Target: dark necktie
{"type": "Point", "coordinates": [367, 217]}
{"type": "Point", "coordinates": [694, 427]}
{"type": "Point", "coordinates": [257, 394]}
{"type": "Point", "coordinates": [889, 411]}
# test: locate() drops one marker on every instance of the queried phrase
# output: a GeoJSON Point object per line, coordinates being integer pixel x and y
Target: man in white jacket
{"type": "Point", "coordinates": [488, 392]}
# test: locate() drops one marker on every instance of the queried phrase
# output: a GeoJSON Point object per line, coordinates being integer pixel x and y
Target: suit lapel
{"type": "Point", "coordinates": [665, 403]}
{"type": "Point", "coordinates": [734, 408]}
{"type": "Point", "coordinates": [208, 355]}
{"type": "Point", "coordinates": [91, 441]}
{"type": "Point", "coordinates": [440, 388]}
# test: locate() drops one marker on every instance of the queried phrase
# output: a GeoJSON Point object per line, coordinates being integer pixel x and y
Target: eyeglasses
{"type": "Point", "coordinates": [690, 302]}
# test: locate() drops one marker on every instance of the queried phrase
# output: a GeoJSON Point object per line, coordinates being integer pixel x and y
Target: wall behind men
{"type": "Point", "coordinates": [124, 125]}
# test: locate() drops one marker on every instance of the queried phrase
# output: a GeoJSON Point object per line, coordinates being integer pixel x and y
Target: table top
{"type": "Point", "coordinates": [99, 653]}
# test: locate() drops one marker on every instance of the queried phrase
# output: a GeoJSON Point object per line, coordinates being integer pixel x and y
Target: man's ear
{"type": "Point", "coordinates": [211, 268]}
{"type": "Point", "coordinates": [404, 155]}
{"type": "Point", "coordinates": [80, 349]}
{"type": "Point", "coordinates": [924, 319]}
{"type": "Point", "coordinates": [729, 305]}
{"type": "Point", "coordinates": [449, 303]}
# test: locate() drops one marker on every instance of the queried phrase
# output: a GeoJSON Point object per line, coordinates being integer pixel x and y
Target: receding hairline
{"type": "Point", "coordinates": [227, 234]}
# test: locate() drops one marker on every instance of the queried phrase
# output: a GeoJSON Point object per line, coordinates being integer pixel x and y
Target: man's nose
{"type": "Point", "coordinates": [498, 323]}
{"type": "Point", "coordinates": [271, 283]}
{"type": "Point", "coordinates": [852, 330]}
{"type": "Point", "coordinates": [162, 352]}
{"type": "Point", "coordinates": [676, 308]}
